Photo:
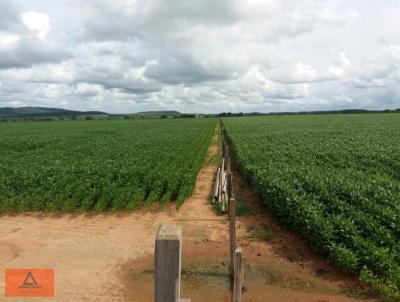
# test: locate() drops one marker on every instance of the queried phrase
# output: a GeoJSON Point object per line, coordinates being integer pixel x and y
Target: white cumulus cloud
{"type": "Point", "coordinates": [37, 22]}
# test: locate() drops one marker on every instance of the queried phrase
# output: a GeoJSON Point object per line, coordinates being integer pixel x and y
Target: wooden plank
{"type": "Point", "coordinates": [224, 199]}
{"type": "Point", "coordinates": [224, 182]}
{"type": "Point", "coordinates": [238, 276]}
{"type": "Point", "coordinates": [216, 190]}
{"type": "Point", "coordinates": [220, 183]}
{"type": "Point", "coordinates": [168, 263]}
{"type": "Point", "coordinates": [232, 235]}
{"type": "Point", "coordinates": [223, 203]}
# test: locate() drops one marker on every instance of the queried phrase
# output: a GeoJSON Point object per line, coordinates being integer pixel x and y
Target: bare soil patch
{"type": "Point", "coordinates": [110, 257]}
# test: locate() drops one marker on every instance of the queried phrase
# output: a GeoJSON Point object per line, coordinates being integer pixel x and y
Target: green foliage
{"type": "Point", "coordinates": [100, 165]}
{"type": "Point", "coordinates": [387, 288]}
{"type": "Point", "coordinates": [335, 179]}
{"type": "Point", "coordinates": [242, 208]}
{"type": "Point", "coordinates": [344, 258]}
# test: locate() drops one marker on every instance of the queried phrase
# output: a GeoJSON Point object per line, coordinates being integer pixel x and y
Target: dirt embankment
{"type": "Point", "coordinates": [110, 257]}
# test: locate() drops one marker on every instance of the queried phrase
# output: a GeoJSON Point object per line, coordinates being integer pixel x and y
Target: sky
{"type": "Point", "coordinates": [205, 56]}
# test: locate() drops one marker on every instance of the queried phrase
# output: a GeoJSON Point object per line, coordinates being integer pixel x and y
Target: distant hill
{"type": "Point", "coordinates": [21, 112]}
{"type": "Point", "coordinates": [343, 111]}
{"type": "Point", "coordinates": [158, 113]}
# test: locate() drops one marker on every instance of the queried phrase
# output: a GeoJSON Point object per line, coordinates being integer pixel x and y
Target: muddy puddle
{"type": "Point", "coordinates": [205, 278]}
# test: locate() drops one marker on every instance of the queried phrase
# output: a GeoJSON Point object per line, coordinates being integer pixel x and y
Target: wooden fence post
{"type": "Point", "coordinates": [229, 185]}
{"type": "Point", "coordinates": [238, 277]}
{"type": "Point", "coordinates": [232, 234]}
{"type": "Point", "coordinates": [168, 263]}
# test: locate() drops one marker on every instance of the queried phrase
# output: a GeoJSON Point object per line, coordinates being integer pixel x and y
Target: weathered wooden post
{"type": "Point", "coordinates": [227, 156]}
{"type": "Point", "coordinates": [216, 190]}
{"type": "Point", "coordinates": [221, 187]}
{"type": "Point", "coordinates": [168, 263]}
{"type": "Point", "coordinates": [229, 185]}
{"type": "Point", "coordinates": [222, 139]}
{"type": "Point", "coordinates": [232, 234]}
{"type": "Point", "coordinates": [238, 276]}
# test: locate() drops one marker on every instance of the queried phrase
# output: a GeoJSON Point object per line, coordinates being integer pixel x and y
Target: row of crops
{"type": "Point", "coordinates": [100, 165]}
{"type": "Point", "coordinates": [335, 180]}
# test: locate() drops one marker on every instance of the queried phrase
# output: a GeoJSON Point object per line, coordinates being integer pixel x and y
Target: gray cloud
{"type": "Point", "coordinates": [127, 19]}
{"type": "Point", "coordinates": [9, 16]}
{"type": "Point", "coordinates": [27, 52]}
{"type": "Point", "coordinates": [177, 69]}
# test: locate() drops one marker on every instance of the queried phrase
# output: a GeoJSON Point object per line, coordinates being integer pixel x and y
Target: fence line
{"type": "Point", "coordinates": [225, 175]}
{"type": "Point", "coordinates": [223, 183]}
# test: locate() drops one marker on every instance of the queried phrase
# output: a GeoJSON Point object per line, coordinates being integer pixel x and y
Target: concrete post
{"type": "Point", "coordinates": [168, 263]}
{"type": "Point", "coordinates": [239, 276]}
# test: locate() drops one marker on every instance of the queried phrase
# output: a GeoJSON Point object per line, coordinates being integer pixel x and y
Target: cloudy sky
{"type": "Point", "coordinates": [209, 56]}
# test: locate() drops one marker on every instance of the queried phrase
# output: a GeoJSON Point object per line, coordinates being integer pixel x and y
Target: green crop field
{"type": "Point", "coordinates": [334, 179]}
{"type": "Point", "coordinates": [100, 165]}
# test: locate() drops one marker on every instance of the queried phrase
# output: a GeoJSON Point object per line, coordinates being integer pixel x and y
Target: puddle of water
{"type": "Point", "coordinates": [200, 282]}
{"type": "Point", "coordinates": [204, 280]}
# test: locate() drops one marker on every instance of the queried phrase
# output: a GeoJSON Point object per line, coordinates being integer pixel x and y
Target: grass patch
{"type": "Point", "coordinates": [259, 233]}
{"type": "Point", "coordinates": [215, 158]}
{"type": "Point", "coordinates": [216, 209]}
{"type": "Point", "coordinates": [242, 208]}
{"type": "Point", "coordinates": [276, 278]}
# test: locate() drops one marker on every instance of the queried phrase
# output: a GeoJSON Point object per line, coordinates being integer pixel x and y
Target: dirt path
{"type": "Point", "coordinates": [110, 257]}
